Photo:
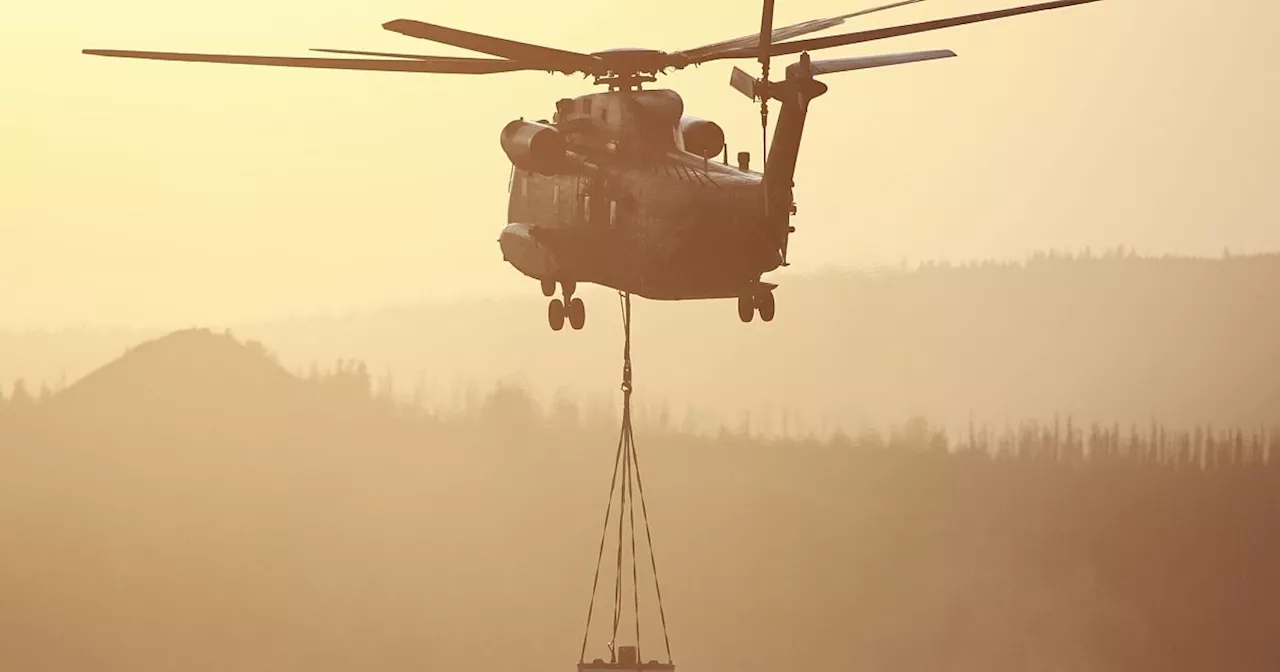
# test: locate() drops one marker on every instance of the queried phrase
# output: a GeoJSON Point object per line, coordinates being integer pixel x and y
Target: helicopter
{"type": "Point", "coordinates": [622, 188]}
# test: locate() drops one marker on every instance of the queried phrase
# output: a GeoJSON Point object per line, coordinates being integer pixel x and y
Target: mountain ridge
{"type": "Point", "coordinates": [1116, 338]}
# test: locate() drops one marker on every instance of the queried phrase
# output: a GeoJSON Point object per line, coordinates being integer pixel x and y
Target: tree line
{"type": "Point", "coordinates": [1042, 545]}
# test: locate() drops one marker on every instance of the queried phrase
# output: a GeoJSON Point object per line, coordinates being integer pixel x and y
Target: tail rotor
{"type": "Point", "coordinates": [762, 91]}
{"type": "Point", "coordinates": [762, 86]}
{"type": "Point", "coordinates": [795, 90]}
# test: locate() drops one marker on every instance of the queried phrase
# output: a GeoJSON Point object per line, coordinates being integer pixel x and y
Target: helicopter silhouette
{"type": "Point", "coordinates": [620, 188]}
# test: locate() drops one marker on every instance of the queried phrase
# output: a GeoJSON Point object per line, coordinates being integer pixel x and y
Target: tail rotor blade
{"type": "Point", "coordinates": [743, 83]}
{"type": "Point", "coordinates": [762, 89]}
{"type": "Point", "coordinates": [766, 35]}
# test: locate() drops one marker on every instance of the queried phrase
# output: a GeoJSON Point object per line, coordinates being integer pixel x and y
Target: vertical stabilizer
{"type": "Point", "coordinates": [794, 93]}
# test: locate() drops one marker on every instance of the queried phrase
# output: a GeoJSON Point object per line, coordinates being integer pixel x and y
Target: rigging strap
{"type": "Point", "coordinates": [627, 465]}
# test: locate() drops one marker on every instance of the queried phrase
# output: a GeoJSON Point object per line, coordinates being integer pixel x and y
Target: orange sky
{"type": "Point", "coordinates": [153, 193]}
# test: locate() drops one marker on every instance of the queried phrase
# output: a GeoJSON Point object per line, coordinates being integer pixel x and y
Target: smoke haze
{"type": "Point", "coordinates": [194, 506]}
{"type": "Point", "coordinates": [270, 398]}
{"type": "Point", "coordinates": [1108, 338]}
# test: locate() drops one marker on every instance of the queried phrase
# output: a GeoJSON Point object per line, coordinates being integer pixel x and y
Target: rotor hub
{"type": "Point", "coordinates": [629, 67]}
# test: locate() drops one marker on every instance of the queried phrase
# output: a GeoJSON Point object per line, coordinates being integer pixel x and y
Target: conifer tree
{"type": "Point", "coordinates": [20, 399]}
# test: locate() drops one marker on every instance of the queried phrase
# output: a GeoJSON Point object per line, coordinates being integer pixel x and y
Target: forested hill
{"type": "Point", "coordinates": [1107, 338]}
{"type": "Point", "coordinates": [192, 505]}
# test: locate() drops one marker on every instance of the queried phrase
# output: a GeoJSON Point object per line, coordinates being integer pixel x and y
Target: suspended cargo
{"type": "Point", "coordinates": [628, 661]}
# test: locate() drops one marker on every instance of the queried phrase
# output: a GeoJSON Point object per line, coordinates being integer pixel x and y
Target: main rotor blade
{"type": "Point", "coordinates": [830, 65]}
{"type": "Point", "coordinates": [475, 66]}
{"type": "Point", "coordinates": [544, 58]}
{"type": "Point", "coordinates": [785, 33]}
{"type": "Point", "coordinates": [896, 31]}
{"type": "Point", "coordinates": [420, 57]}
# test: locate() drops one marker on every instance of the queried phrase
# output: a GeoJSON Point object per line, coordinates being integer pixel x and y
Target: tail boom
{"type": "Point", "coordinates": [794, 93]}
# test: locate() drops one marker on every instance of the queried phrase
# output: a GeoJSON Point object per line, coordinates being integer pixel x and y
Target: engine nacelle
{"type": "Point", "coordinates": [534, 146]}
{"type": "Point", "coordinates": [701, 137]}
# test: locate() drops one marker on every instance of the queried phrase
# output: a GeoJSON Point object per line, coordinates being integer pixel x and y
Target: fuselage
{"type": "Point", "coordinates": [634, 209]}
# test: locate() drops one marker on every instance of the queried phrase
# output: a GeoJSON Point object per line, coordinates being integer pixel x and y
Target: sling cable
{"type": "Point", "coordinates": [626, 484]}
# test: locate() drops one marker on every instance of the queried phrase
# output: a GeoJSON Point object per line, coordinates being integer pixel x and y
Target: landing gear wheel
{"type": "Point", "coordinates": [555, 315]}
{"type": "Point", "coordinates": [746, 308]}
{"type": "Point", "coordinates": [548, 287]}
{"type": "Point", "coordinates": [766, 306]}
{"type": "Point", "coordinates": [577, 314]}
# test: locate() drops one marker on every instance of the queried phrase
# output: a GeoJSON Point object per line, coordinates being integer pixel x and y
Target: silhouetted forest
{"type": "Point", "coordinates": [195, 505]}
{"type": "Point", "coordinates": [1109, 337]}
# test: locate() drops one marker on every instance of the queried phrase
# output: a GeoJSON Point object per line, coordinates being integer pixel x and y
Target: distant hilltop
{"type": "Point", "coordinates": [192, 499]}
{"type": "Point", "coordinates": [1110, 337]}
{"type": "Point", "coordinates": [200, 383]}
{"type": "Point", "coordinates": [192, 372]}
{"type": "Point", "coordinates": [195, 364]}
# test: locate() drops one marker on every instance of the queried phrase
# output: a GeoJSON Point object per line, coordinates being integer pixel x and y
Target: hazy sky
{"type": "Point", "coordinates": [135, 192]}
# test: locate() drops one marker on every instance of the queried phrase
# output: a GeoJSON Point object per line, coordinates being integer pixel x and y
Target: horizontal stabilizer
{"type": "Point", "coordinates": [830, 65]}
{"type": "Point", "coordinates": [744, 83]}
